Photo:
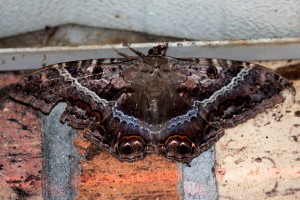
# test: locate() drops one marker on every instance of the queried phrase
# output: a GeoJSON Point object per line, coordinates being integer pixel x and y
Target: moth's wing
{"type": "Point", "coordinates": [227, 92]}
{"type": "Point", "coordinates": [90, 87]}
{"type": "Point", "coordinates": [187, 136]}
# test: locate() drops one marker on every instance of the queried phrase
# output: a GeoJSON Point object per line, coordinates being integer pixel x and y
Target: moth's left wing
{"type": "Point", "coordinates": [90, 87]}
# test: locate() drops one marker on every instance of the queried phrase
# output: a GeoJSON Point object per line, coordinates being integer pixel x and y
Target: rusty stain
{"type": "Point", "coordinates": [269, 159]}
{"type": "Point", "coordinates": [221, 172]}
{"type": "Point", "coordinates": [274, 191]}
{"type": "Point", "coordinates": [297, 113]}
{"type": "Point", "coordinates": [294, 133]}
{"type": "Point", "coordinates": [21, 194]}
{"type": "Point", "coordinates": [258, 160]}
{"type": "Point", "coordinates": [238, 161]}
{"type": "Point", "coordinates": [291, 191]}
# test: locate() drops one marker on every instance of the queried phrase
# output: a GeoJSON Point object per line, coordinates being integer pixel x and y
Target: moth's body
{"type": "Point", "coordinates": [153, 92]}
{"type": "Point", "coordinates": [174, 107]}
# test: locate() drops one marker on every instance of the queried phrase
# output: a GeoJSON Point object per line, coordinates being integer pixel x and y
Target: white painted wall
{"type": "Point", "coordinates": [193, 19]}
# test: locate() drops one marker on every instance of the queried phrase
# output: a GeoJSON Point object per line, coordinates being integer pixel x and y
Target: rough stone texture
{"type": "Point", "coordinates": [197, 181]}
{"type": "Point", "coordinates": [60, 160]}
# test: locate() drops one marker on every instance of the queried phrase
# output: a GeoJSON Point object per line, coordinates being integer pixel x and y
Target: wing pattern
{"type": "Point", "coordinates": [133, 107]}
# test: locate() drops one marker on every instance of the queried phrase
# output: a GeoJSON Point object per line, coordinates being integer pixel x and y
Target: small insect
{"type": "Point", "coordinates": [136, 106]}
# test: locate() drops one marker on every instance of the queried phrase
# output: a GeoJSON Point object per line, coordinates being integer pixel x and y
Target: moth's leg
{"type": "Point", "coordinates": [165, 49]}
{"type": "Point", "coordinates": [44, 62]}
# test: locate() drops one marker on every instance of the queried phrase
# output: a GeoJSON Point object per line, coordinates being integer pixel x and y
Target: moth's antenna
{"type": "Point", "coordinates": [121, 53]}
{"type": "Point", "coordinates": [140, 54]}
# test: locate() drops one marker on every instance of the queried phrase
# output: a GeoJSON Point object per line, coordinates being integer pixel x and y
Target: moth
{"type": "Point", "coordinates": [154, 103]}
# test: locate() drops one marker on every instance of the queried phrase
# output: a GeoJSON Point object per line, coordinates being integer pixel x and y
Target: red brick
{"type": "Point", "coordinates": [104, 177]}
{"type": "Point", "coordinates": [20, 147]}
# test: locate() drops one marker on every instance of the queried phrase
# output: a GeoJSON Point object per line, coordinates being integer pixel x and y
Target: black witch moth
{"type": "Point", "coordinates": [135, 106]}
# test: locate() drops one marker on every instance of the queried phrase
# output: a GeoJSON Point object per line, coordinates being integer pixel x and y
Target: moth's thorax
{"type": "Point", "coordinates": [155, 62]}
{"type": "Point", "coordinates": [154, 94]}
{"type": "Point", "coordinates": [153, 72]}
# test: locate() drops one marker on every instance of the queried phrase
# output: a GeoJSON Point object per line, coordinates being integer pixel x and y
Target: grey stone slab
{"type": "Point", "coordinates": [198, 180]}
{"type": "Point", "coordinates": [60, 160]}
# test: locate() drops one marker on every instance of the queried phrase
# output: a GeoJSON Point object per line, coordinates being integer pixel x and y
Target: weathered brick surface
{"type": "Point", "coordinates": [104, 177]}
{"type": "Point", "coordinates": [20, 146]}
